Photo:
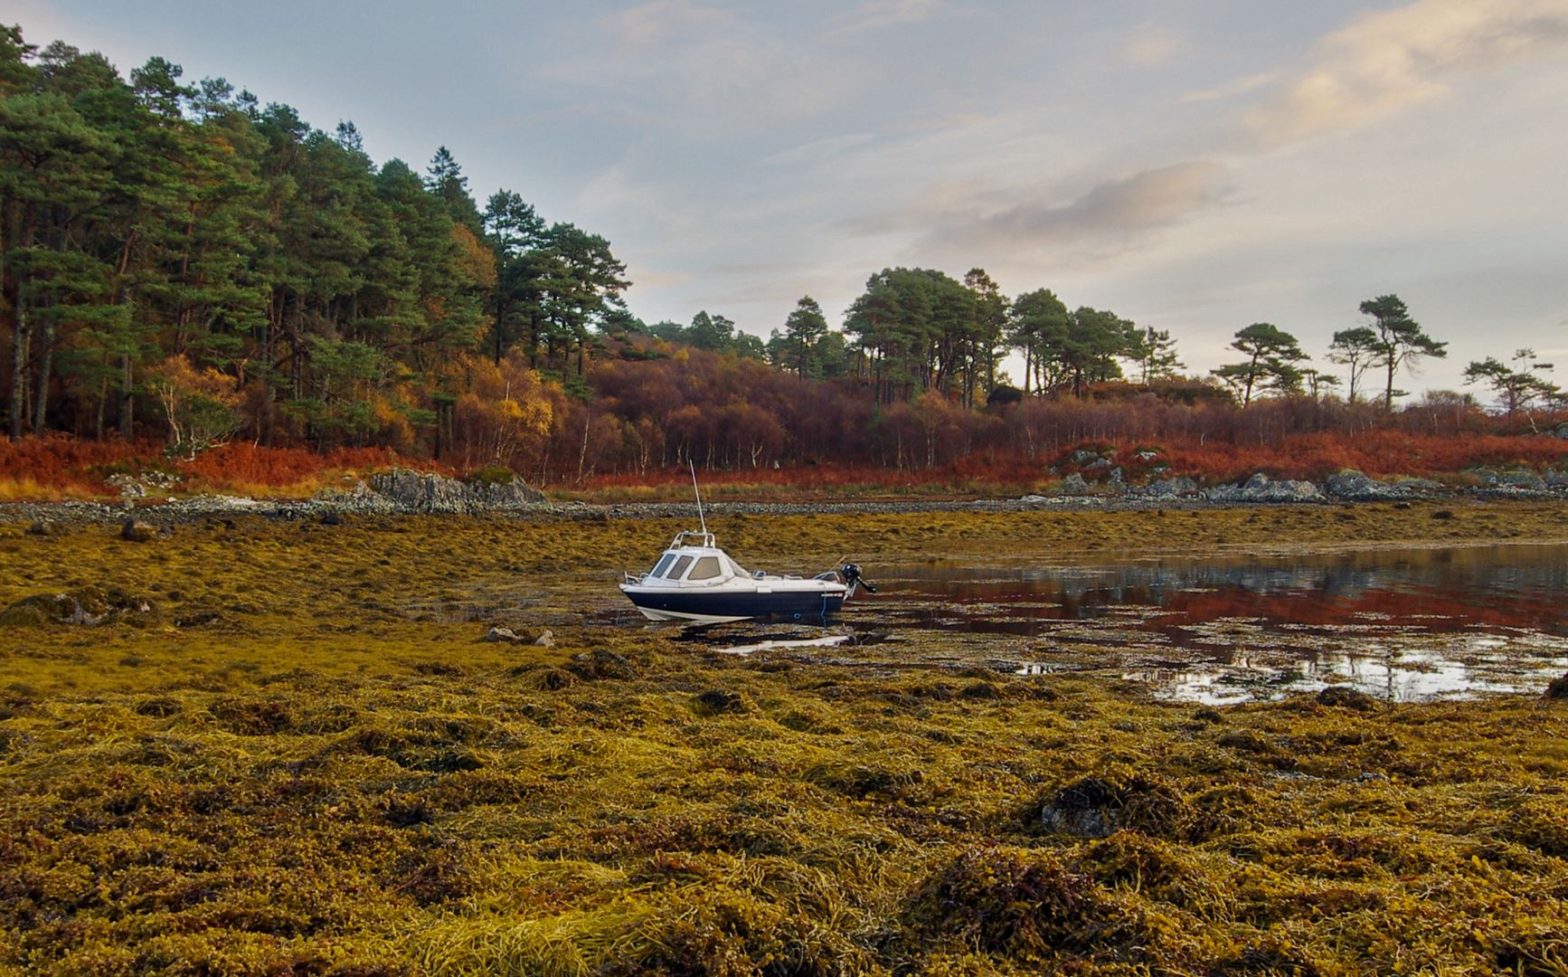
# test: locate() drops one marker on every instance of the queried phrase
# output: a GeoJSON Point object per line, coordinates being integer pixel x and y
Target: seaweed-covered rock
{"type": "Point", "coordinates": [602, 663]}
{"type": "Point", "coordinates": [1096, 807]}
{"type": "Point", "coordinates": [1345, 697]}
{"type": "Point", "coordinates": [1027, 904]}
{"type": "Point", "coordinates": [1558, 688]}
{"type": "Point", "coordinates": [136, 531]}
{"type": "Point", "coordinates": [88, 607]}
{"type": "Point", "coordinates": [715, 702]}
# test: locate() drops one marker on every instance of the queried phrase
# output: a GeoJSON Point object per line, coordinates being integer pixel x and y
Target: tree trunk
{"type": "Point", "coordinates": [18, 372]}
{"type": "Point", "coordinates": [127, 398]}
{"type": "Point", "coordinates": [45, 367]}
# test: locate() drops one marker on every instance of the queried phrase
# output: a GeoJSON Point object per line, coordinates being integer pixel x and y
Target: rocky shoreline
{"type": "Point", "coordinates": [404, 492]}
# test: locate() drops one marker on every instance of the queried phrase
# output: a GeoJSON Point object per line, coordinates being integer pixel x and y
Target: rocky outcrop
{"type": "Point", "coordinates": [1167, 488]}
{"type": "Point", "coordinates": [428, 492]}
{"type": "Point", "coordinates": [88, 607]}
{"type": "Point", "coordinates": [1261, 488]}
{"type": "Point", "coordinates": [1513, 481]}
{"type": "Point", "coordinates": [403, 490]}
{"type": "Point", "coordinates": [1350, 485]}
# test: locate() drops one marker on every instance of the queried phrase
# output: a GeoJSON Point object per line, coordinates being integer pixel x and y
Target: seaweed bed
{"type": "Point", "coordinates": [239, 747]}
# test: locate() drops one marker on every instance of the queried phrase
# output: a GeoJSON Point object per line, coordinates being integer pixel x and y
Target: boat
{"type": "Point", "coordinates": [697, 582]}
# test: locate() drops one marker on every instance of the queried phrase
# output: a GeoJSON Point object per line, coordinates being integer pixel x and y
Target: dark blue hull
{"type": "Point", "coordinates": [675, 604]}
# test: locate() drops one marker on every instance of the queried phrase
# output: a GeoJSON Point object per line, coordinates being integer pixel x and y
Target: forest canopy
{"type": "Point", "coordinates": [183, 261]}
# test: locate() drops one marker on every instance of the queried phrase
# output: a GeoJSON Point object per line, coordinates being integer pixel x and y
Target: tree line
{"type": "Point", "coordinates": [186, 260]}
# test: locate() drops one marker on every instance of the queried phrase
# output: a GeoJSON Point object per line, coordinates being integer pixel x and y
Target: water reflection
{"type": "Point", "coordinates": [1399, 623]}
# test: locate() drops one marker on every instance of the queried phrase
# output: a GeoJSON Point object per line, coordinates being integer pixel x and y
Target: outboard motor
{"type": "Point", "coordinates": [851, 574]}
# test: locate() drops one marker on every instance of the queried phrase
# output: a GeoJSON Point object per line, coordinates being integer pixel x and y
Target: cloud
{"type": "Point", "coordinates": [651, 24]}
{"type": "Point", "coordinates": [1390, 60]}
{"type": "Point", "coordinates": [877, 14]}
{"type": "Point", "coordinates": [1149, 46]}
{"type": "Point", "coordinates": [1115, 212]}
{"type": "Point", "coordinates": [700, 69]}
{"type": "Point", "coordinates": [819, 150]}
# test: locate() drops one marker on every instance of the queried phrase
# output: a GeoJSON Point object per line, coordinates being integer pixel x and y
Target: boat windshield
{"type": "Point", "coordinates": [662, 565]}
{"type": "Point", "coordinates": [679, 569]}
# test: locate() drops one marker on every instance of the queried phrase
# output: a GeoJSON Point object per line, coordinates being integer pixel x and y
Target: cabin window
{"type": "Point", "coordinates": [706, 569]}
{"type": "Point", "coordinates": [680, 567]}
{"type": "Point", "coordinates": [664, 565]}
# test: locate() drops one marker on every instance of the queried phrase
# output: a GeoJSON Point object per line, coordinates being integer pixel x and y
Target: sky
{"type": "Point", "coordinates": [1193, 165]}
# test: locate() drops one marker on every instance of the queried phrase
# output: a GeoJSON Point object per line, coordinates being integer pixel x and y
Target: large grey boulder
{"type": "Point", "coordinates": [1074, 484]}
{"type": "Point", "coordinates": [1261, 488]}
{"type": "Point", "coordinates": [1353, 486]}
{"type": "Point", "coordinates": [1168, 488]}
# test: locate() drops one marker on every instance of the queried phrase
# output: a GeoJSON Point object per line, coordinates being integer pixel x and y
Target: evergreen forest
{"type": "Point", "coordinates": [188, 265]}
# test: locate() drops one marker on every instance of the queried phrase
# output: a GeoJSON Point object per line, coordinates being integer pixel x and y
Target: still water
{"type": "Point", "coordinates": [1398, 623]}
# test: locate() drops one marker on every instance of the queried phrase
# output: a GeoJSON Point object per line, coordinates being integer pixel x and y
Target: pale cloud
{"type": "Point", "coordinates": [1231, 89]}
{"type": "Point", "coordinates": [1149, 45]}
{"type": "Point", "coordinates": [1115, 210]}
{"type": "Point", "coordinates": [678, 64]}
{"type": "Point", "coordinates": [1386, 61]}
{"type": "Point", "coordinates": [877, 14]}
{"type": "Point", "coordinates": [651, 24]}
{"type": "Point", "coordinates": [819, 150]}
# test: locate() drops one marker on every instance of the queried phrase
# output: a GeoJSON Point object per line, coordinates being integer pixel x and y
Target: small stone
{"type": "Point", "coordinates": [42, 527]}
{"type": "Point", "coordinates": [545, 639]}
{"type": "Point", "coordinates": [503, 634]}
{"type": "Point", "coordinates": [136, 531]}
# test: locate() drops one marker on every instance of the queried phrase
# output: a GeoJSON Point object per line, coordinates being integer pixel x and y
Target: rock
{"type": "Point", "coordinates": [1521, 479]}
{"type": "Point", "coordinates": [1557, 689]}
{"type": "Point", "coordinates": [718, 701]}
{"type": "Point", "coordinates": [1344, 697]}
{"type": "Point", "coordinates": [1075, 485]}
{"type": "Point", "coordinates": [1353, 486]}
{"type": "Point", "coordinates": [428, 492]}
{"type": "Point", "coordinates": [136, 531]}
{"type": "Point", "coordinates": [332, 517]}
{"type": "Point", "coordinates": [1096, 807]}
{"type": "Point", "coordinates": [1082, 456]}
{"type": "Point", "coordinates": [88, 607]}
{"type": "Point", "coordinates": [1261, 488]}
{"type": "Point", "coordinates": [1555, 479]}
{"type": "Point", "coordinates": [1514, 480]}
{"type": "Point", "coordinates": [545, 639]}
{"type": "Point", "coordinates": [42, 527]}
{"type": "Point", "coordinates": [502, 634]}
{"type": "Point", "coordinates": [1561, 431]}
{"type": "Point", "coordinates": [1168, 488]}
{"type": "Point", "coordinates": [1146, 455]}
{"type": "Point", "coordinates": [602, 663]}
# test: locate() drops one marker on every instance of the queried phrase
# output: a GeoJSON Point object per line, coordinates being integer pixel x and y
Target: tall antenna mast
{"type": "Point", "coordinates": [698, 493]}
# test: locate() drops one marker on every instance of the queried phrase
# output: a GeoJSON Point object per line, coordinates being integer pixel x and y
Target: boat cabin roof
{"type": "Point", "coordinates": [700, 561]}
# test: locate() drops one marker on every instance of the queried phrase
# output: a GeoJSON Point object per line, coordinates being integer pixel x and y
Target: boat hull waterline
{"type": "Point", "coordinates": [666, 604]}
